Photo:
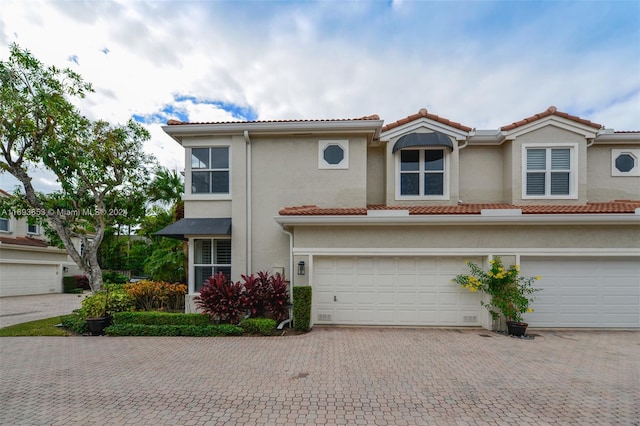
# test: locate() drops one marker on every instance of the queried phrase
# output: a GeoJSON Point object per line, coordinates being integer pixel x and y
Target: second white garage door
{"type": "Point", "coordinates": [392, 291]}
{"type": "Point", "coordinates": [585, 292]}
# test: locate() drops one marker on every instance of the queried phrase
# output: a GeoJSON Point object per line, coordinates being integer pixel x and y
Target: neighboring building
{"type": "Point", "coordinates": [28, 265]}
{"type": "Point", "coordinates": [378, 218]}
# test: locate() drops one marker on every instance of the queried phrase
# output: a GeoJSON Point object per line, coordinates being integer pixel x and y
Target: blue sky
{"type": "Point", "coordinates": [482, 63]}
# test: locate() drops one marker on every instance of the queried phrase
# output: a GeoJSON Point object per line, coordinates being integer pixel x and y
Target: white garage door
{"type": "Point", "coordinates": [18, 279]}
{"type": "Point", "coordinates": [585, 292]}
{"type": "Point", "coordinates": [392, 291]}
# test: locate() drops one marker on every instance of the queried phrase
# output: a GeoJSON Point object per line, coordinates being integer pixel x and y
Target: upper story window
{"type": "Point", "coordinates": [549, 172]}
{"type": "Point", "coordinates": [625, 162]}
{"type": "Point", "coordinates": [333, 154]}
{"type": "Point", "coordinates": [210, 170]}
{"type": "Point", "coordinates": [4, 225]}
{"type": "Point", "coordinates": [33, 229]}
{"type": "Point", "coordinates": [422, 173]}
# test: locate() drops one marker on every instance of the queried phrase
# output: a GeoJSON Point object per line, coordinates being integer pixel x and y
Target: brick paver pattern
{"type": "Point", "coordinates": [358, 376]}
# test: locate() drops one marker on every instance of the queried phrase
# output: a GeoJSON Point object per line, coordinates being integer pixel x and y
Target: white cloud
{"type": "Point", "coordinates": [484, 64]}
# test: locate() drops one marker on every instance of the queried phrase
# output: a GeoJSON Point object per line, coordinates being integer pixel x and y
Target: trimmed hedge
{"type": "Point", "coordinates": [75, 322]}
{"type": "Point", "coordinates": [173, 330]}
{"type": "Point", "coordinates": [160, 318]}
{"type": "Point", "coordinates": [262, 326]}
{"type": "Point", "coordinates": [301, 308]}
{"type": "Point", "coordinates": [69, 284]}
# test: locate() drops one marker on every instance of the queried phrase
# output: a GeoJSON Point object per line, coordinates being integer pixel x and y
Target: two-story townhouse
{"type": "Point", "coordinates": [28, 265]}
{"type": "Point", "coordinates": [378, 218]}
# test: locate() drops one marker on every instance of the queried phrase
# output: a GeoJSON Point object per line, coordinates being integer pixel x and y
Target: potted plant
{"type": "Point", "coordinates": [96, 308]}
{"type": "Point", "coordinates": [511, 293]}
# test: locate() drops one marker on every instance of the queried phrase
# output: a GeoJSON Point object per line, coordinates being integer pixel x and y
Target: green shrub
{"type": "Point", "coordinates": [157, 295]}
{"type": "Point", "coordinates": [117, 301]}
{"type": "Point", "coordinates": [114, 278]}
{"type": "Point", "coordinates": [160, 318]}
{"type": "Point", "coordinates": [262, 326]}
{"type": "Point", "coordinates": [173, 330]}
{"type": "Point", "coordinates": [69, 284]}
{"type": "Point", "coordinates": [301, 308]}
{"type": "Point", "coordinates": [75, 322]}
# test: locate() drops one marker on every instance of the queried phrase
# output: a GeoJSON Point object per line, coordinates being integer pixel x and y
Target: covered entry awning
{"type": "Point", "coordinates": [423, 139]}
{"type": "Point", "coordinates": [197, 226]}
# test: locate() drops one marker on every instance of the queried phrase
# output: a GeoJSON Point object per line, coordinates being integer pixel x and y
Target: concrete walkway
{"type": "Point", "coordinates": [19, 309]}
{"type": "Point", "coordinates": [361, 376]}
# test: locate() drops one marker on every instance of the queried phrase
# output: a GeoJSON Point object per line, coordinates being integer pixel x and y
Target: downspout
{"type": "Point", "coordinates": [290, 319]}
{"type": "Point", "coordinates": [248, 203]}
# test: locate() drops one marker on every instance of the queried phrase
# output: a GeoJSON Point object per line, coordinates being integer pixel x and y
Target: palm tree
{"type": "Point", "coordinates": [166, 188]}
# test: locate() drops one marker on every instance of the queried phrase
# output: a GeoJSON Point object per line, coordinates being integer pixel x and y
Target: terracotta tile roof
{"type": "Point", "coordinates": [618, 206]}
{"type": "Point", "coordinates": [550, 111]}
{"type": "Point", "coordinates": [23, 241]}
{"type": "Point", "coordinates": [426, 114]}
{"type": "Point", "coordinates": [367, 117]}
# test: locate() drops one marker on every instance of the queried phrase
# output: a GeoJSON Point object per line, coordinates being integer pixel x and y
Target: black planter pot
{"type": "Point", "coordinates": [516, 328]}
{"type": "Point", "coordinates": [97, 325]}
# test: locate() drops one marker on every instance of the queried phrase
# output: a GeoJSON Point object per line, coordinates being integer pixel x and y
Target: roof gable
{"type": "Point", "coordinates": [424, 119]}
{"type": "Point", "coordinates": [551, 116]}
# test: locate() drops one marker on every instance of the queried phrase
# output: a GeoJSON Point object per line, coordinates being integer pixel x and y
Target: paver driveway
{"type": "Point", "coordinates": [329, 376]}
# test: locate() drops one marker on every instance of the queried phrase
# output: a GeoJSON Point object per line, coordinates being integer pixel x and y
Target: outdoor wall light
{"type": "Point", "coordinates": [301, 267]}
{"type": "Point", "coordinates": [65, 269]}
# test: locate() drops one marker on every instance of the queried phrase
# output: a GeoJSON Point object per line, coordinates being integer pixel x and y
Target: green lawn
{"type": "Point", "coordinates": [44, 327]}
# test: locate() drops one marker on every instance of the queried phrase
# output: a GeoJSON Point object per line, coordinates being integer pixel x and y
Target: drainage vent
{"type": "Point", "coordinates": [470, 319]}
{"type": "Point", "coordinates": [324, 317]}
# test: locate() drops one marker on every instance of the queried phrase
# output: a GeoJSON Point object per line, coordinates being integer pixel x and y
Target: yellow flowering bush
{"type": "Point", "coordinates": [510, 292]}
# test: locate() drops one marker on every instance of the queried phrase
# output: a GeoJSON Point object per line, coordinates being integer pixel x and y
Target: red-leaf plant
{"type": "Point", "coordinates": [222, 300]}
{"type": "Point", "coordinates": [256, 294]}
{"type": "Point", "coordinates": [277, 295]}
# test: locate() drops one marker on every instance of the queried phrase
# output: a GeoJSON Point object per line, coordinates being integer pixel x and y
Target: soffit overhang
{"type": "Point", "coordinates": [371, 128]}
{"type": "Point", "coordinates": [475, 219]}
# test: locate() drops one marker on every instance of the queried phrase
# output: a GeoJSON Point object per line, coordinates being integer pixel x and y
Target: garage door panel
{"type": "Point", "coordinates": [20, 279]}
{"type": "Point", "coordinates": [585, 292]}
{"type": "Point", "coordinates": [621, 300]}
{"type": "Point", "coordinates": [427, 298]}
{"type": "Point", "coordinates": [386, 298]}
{"type": "Point", "coordinates": [394, 291]}
{"type": "Point", "coordinates": [449, 317]}
{"type": "Point", "coordinates": [447, 298]}
{"type": "Point", "coordinates": [406, 298]}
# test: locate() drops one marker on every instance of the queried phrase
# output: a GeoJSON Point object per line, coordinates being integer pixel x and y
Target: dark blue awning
{"type": "Point", "coordinates": [423, 139]}
{"type": "Point", "coordinates": [198, 226]}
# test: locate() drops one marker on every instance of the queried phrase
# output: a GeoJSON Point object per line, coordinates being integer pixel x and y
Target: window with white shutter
{"type": "Point", "coordinates": [549, 172]}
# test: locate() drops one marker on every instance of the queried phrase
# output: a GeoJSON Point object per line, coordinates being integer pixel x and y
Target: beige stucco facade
{"type": "Point", "coordinates": [278, 168]}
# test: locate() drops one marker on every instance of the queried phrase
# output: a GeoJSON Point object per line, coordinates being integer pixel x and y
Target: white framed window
{"type": "Point", "coordinates": [422, 174]}
{"type": "Point", "coordinates": [210, 170]}
{"type": "Point", "coordinates": [549, 172]}
{"type": "Point", "coordinates": [625, 162]}
{"type": "Point", "coordinates": [33, 229]}
{"type": "Point", "coordinates": [333, 154]}
{"type": "Point", "coordinates": [211, 256]}
{"type": "Point", "coordinates": [5, 224]}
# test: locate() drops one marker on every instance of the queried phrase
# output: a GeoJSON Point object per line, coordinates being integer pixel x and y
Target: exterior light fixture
{"type": "Point", "coordinates": [301, 267]}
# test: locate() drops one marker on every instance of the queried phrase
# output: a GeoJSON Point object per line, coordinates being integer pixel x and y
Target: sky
{"type": "Point", "coordinates": [484, 64]}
